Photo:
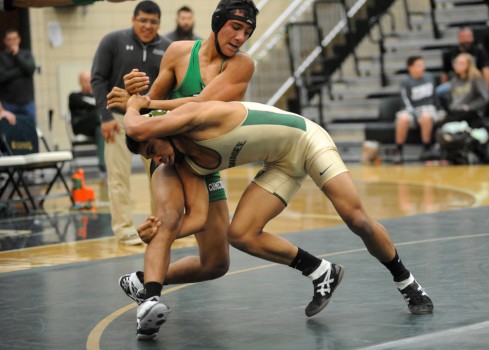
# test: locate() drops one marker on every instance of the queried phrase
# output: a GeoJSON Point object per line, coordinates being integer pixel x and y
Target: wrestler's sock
{"type": "Point", "coordinates": [152, 289]}
{"type": "Point", "coordinates": [305, 262]}
{"type": "Point", "coordinates": [397, 268]}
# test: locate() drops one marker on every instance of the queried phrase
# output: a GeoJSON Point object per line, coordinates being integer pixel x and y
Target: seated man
{"type": "Point", "coordinates": [7, 115]}
{"type": "Point", "coordinates": [418, 98]}
{"type": "Point", "coordinates": [213, 136]}
{"type": "Point", "coordinates": [85, 119]}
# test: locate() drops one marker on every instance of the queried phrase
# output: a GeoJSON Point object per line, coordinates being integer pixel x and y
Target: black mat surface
{"type": "Point", "coordinates": [259, 305]}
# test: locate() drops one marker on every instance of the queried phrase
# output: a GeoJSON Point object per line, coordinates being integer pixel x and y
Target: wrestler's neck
{"type": "Point", "coordinates": [202, 156]}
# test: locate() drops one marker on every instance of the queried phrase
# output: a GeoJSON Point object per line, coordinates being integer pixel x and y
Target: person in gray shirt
{"type": "Point", "coordinates": [469, 94]}
{"type": "Point", "coordinates": [419, 107]}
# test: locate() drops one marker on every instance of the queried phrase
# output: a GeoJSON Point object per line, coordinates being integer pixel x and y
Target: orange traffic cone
{"type": "Point", "coordinates": [81, 194]}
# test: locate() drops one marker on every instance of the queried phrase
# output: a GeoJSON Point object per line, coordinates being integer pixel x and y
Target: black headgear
{"type": "Point", "coordinates": [222, 14]}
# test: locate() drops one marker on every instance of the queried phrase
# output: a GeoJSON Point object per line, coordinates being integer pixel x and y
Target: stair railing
{"type": "Point", "coordinates": [300, 68]}
{"type": "Point", "coordinates": [434, 23]}
{"type": "Point", "coordinates": [376, 21]}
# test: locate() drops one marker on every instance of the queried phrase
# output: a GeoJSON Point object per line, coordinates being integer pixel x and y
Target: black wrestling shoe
{"type": "Point", "coordinates": [419, 303]}
{"type": "Point", "coordinates": [324, 286]}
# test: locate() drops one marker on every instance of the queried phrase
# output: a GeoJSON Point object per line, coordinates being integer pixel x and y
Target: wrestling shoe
{"type": "Point", "coordinates": [130, 239]}
{"type": "Point", "coordinates": [324, 286]}
{"type": "Point", "coordinates": [151, 315]}
{"type": "Point", "coordinates": [419, 303]}
{"type": "Point", "coordinates": [132, 286]}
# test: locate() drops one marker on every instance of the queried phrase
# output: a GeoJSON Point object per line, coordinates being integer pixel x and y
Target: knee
{"type": "Point", "coordinates": [359, 223]}
{"type": "Point", "coordinates": [402, 120]}
{"type": "Point", "coordinates": [240, 239]}
{"type": "Point", "coordinates": [170, 217]}
{"type": "Point", "coordinates": [217, 268]}
{"type": "Point", "coordinates": [425, 120]}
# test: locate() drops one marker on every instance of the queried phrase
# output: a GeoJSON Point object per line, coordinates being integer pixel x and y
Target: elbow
{"type": "Point", "coordinates": [132, 128]}
{"type": "Point", "coordinates": [135, 134]}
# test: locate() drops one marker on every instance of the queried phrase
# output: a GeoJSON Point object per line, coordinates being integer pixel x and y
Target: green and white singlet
{"type": "Point", "coordinates": [192, 85]}
{"type": "Point", "coordinates": [290, 146]}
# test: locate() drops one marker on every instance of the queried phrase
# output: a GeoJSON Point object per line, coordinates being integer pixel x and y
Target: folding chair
{"type": "Point", "coordinates": [12, 166]}
{"type": "Point", "coordinates": [31, 162]}
{"type": "Point", "coordinates": [49, 160]}
{"type": "Point", "coordinates": [80, 144]}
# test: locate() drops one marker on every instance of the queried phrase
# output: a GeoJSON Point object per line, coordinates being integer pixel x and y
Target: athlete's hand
{"type": "Point", "coordinates": [109, 129]}
{"type": "Point", "coordinates": [137, 102]}
{"type": "Point", "coordinates": [149, 228]}
{"type": "Point", "coordinates": [136, 82]}
{"type": "Point", "coordinates": [117, 98]}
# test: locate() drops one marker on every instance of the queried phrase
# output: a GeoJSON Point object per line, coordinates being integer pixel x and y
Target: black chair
{"type": "Point", "coordinates": [17, 166]}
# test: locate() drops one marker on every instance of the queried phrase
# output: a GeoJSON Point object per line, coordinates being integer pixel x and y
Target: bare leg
{"type": "Point", "coordinates": [213, 259]}
{"type": "Point", "coordinates": [342, 193]}
{"type": "Point", "coordinates": [426, 126]}
{"type": "Point", "coordinates": [170, 212]}
{"type": "Point", "coordinates": [402, 128]}
{"type": "Point", "coordinates": [255, 209]}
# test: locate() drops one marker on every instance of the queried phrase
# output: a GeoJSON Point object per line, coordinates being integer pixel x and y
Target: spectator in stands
{"type": "Point", "coordinates": [469, 94]}
{"type": "Point", "coordinates": [419, 101]}
{"type": "Point", "coordinates": [185, 26]}
{"type": "Point", "coordinates": [466, 44]}
{"type": "Point", "coordinates": [17, 68]}
{"type": "Point", "coordinates": [85, 119]}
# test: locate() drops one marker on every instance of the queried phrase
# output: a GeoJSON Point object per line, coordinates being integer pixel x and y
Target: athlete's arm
{"type": "Point", "coordinates": [166, 80]}
{"type": "Point", "coordinates": [136, 81]}
{"type": "Point", "coordinates": [141, 128]}
{"type": "Point", "coordinates": [230, 85]}
{"type": "Point", "coordinates": [196, 206]}
{"type": "Point", "coordinates": [196, 199]}
{"type": "Point", "coordinates": [193, 120]}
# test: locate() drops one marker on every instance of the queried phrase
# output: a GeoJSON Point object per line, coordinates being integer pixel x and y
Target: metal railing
{"type": "Point", "coordinates": [380, 41]}
{"type": "Point", "coordinates": [271, 61]}
{"type": "Point", "coordinates": [301, 65]}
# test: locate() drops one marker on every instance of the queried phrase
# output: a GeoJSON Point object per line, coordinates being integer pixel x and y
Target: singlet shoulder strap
{"type": "Point", "coordinates": [222, 65]}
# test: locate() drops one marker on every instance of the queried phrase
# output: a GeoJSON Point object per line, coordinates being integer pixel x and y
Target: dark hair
{"type": "Point", "coordinates": [411, 59]}
{"type": "Point", "coordinates": [10, 31]}
{"type": "Point", "coordinates": [147, 6]}
{"type": "Point", "coordinates": [185, 9]}
{"type": "Point", "coordinates": [133, 145]}
{"type": "Point", "coordinates": [225, 11]}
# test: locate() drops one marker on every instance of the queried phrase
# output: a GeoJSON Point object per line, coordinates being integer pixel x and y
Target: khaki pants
{"type": "Point", "coordinates": [118, 161]}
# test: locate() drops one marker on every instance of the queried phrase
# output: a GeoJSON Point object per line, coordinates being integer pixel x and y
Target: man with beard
{"type": "Point", "coordinates": [185, 26]}
{"type": "Point", "coordinates": [466, 44]}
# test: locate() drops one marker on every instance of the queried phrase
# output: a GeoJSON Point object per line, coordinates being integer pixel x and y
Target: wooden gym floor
{"type": "Point", "coordinates": [59, 272]}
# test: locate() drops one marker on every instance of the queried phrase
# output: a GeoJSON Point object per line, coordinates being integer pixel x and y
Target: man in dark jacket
{"type": "Point", "coordinates": [17, 67]}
